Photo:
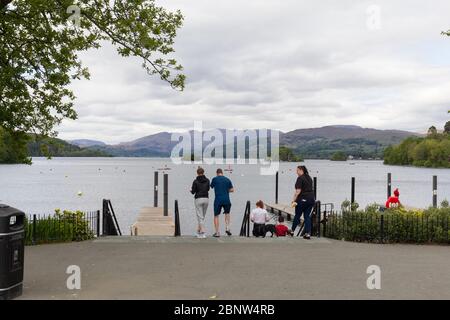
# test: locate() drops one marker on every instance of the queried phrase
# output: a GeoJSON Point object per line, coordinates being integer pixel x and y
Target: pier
{"type": "Point", "coordinates": [152, 222]}
{"type": "Point", "coordinates": [157, 221]}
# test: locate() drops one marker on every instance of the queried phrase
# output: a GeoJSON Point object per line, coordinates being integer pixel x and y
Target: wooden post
{"type": "Point", "coordinates": [315, 187]}
{"type": "Point", "coordinates": [434, 191]}
{"type": "Point", "coordinates": [166, 195]}
{"type": "Point", "coordinates": [34, 229]}
{"type": "Point", "coordinates": [353, 190]}
{"type": "Point", "coordinates": [155, 190]}
{"type": "Point", "coordinates": [98, 223]}
{"type": "Point", "coordinates": [389, 185]}
{"type": "Point", "coordinates": [276, 188]}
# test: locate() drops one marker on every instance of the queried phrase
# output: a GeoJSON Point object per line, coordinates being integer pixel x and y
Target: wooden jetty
{"type": "Point", "coordinates": [152, 222]}
{"type": "Point", "coordinates": [281, 209]}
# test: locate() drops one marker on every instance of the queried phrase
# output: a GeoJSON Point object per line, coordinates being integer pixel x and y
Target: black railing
{"type": "Point", "coordinates": [62, 226]}
{"type": "Point", "coordinates": [245, 227]}
{"type": "Point", "coordinates": [110, 225]}
{"type": "Point", "coordinates": [388, 227]}
{"type": "Point", "coordinates": [177, 220]}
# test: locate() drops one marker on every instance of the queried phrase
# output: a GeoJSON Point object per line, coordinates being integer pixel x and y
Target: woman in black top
{"type": "Point", "coordinates": [303, 200]}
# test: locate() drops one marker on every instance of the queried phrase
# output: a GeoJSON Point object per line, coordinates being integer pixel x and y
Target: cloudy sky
{"type": "Point", "coordinates": [282, 65]}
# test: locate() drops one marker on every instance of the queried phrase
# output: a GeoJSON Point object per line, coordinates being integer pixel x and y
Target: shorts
{"type": "Point", "coordinates": [218, 208]}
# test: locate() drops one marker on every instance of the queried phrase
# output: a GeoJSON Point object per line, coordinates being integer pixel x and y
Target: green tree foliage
{"type": "Point", "coordinates": [432, 151]}
{"type": "Point", "coordinates": [286, 154]}
{"type": "Point", "coordinates": [39, 51]}
{"type": "Point", "coordinates": [13, 147]}
{"type": "Point", "coordinates": [447, 127]}
{"type": "Point", "coordinates": [339, 156]}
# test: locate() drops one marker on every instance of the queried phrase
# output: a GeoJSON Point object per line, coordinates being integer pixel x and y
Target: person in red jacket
{"type": "Point", "coordinates": [281, 229]}
{"type": "Point", "coordinates": [393, 201]}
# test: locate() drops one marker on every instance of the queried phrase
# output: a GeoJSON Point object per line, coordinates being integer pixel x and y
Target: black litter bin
{"type": "Point", "coordinates": [12, 244]}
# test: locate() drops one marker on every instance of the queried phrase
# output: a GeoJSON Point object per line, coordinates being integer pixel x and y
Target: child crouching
{"type": "Point", "coordinates": [259, 217]}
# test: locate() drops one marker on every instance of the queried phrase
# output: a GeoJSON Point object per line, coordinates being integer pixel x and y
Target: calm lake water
{"type": "Point", "coordinates": [128, 182]}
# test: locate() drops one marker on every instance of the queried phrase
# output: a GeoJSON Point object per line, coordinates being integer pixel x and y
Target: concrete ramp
{"type": "Point", "coordinates": [152, 222]}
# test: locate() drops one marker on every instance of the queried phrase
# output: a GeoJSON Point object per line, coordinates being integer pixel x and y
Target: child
{"type": "Point", "coordinates": [394, 201]}
{"type": "Point", "coordinates": [281, 229]}
{"type": "Point", "coordinates": [259, 217]}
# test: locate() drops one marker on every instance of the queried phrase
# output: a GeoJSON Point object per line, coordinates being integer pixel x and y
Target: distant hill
{"type": "Point", "coordinates": [319, 143]}
{"type": "Point", "coordinates": [359, 142]}
{"type": "Point", "coordinates": [156, 145]}
{"type": "Point", "coordinates": [85, 143]}
{"type": "Point", "coordinates": [55, 147]}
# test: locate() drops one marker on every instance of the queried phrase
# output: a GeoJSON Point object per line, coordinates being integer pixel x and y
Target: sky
{"type": "Point", "coordinates": [282, 65]}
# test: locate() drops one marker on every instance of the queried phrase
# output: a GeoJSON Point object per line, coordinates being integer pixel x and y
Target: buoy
{"type": "Point", "coordinates": [80, 193]}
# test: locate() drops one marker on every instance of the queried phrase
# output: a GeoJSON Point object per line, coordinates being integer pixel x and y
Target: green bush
{"type": "Point", "coordinates": [64, 226]}
{"type": "Point", "coordinates": [399, 225]}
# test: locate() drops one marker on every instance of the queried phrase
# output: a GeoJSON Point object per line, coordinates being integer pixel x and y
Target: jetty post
{"type": "Point", "coordinates": [353, 190]}
{"type": "Point", "coordinates": [155, 190]}
{"type": "Point", "coordinates": [434, 191]}
{"type": "Point", "coordinates": [276, 188]}
{"type": "Point", "coordinates": [315, 187]}
{"type": "Point", "coordinates": [166, 195]}
{"type": "Point", "coordinates": [389, 185]}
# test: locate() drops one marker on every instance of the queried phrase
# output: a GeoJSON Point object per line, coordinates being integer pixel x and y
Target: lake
{"type": "Point", "coordinates": [128, 182]}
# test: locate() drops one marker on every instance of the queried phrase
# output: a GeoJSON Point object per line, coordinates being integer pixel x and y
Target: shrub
{"type": "Point", "coordinates": [391, 226]}
{"type": "Point", "coordinates": [63, 226]}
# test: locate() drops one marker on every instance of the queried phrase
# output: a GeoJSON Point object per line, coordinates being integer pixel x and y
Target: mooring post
{"type": "Point", "coordinates": [434, 191]}
{"type": "Point", "coordinates": [276, 188]}
{"type": "Point", "coordinates": [315, 187]}
{"type": "Point", "coordinates": [98, 223]}
{"type": "Point", "coordinates": [353, 190]}
{"type": "Point", "coordinates": [155, 191]}
{"type": "Point", "coordinates": [166, 195]}
{"type": "Point", "coordinates": [389, 185]}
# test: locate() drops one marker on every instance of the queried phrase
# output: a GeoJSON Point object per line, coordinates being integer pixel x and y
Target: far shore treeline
{"type": "Point", "coordinates": [432, 151]}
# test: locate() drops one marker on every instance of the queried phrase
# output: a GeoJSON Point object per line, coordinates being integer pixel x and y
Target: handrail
{"type": "Point", "coordinates": [110, 223]}
{"type": "Point", "coordinates": [245, 227]}
{"type": "Point", "coordinates": [177, 220]}
{"type": "Point", "coordinates": [114, 217]}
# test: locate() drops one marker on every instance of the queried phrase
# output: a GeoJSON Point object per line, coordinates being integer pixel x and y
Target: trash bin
{"type": "Point", "coordinates": [12, 244]}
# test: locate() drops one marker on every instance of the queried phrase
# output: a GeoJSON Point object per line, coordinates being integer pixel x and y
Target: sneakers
{"type": "Point", "coordinates": [201, 235]}
{"type": "Point", "coordinates": [306, 236]}
{"type": "Point", "coordinates": [228, 233]}
{"type": "Point", "coordinates": [216, 235]}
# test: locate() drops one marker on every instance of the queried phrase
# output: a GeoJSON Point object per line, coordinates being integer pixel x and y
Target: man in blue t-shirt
{"type": "Point", "coordinates": [222, 187]}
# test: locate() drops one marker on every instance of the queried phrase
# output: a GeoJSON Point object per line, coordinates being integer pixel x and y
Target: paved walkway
{"type": "Point", "coordinates": [235, 268]}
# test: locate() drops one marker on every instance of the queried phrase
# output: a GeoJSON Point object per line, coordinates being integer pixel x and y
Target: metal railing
{"type": "Point", "coordinates": [177, 220]}
{"type": "Point", "coordinates": [245, 226]}
{"type": "Point", "coordinates": [65, 226]}
{"type": "Point", "coordinates": [387, 227]}
{"type": "Point", "coordinates": [110, 226]}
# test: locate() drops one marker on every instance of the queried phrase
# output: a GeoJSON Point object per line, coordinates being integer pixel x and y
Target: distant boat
{"type": "Point", "coordinates": [229, 169]}
{"type": "Point", "coordinates": [165, 168]}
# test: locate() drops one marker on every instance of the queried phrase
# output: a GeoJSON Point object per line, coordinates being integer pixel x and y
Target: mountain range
{"type": "Point", "coordinates": [317, 143]}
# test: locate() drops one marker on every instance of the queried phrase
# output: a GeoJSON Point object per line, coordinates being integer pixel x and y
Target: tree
{"type": "Point", "coordinates": [39, 52]}
{"type": "Point", "coordinates": [339, 156]}
{"type": "Point", "coordinates": [13, 147]}
{"type": "Point", "coordinates": [432, 131]}
{"type": "Point", "coordinates": [286, 154]}
{"type": "Point", "coordinates": [447, 127]}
